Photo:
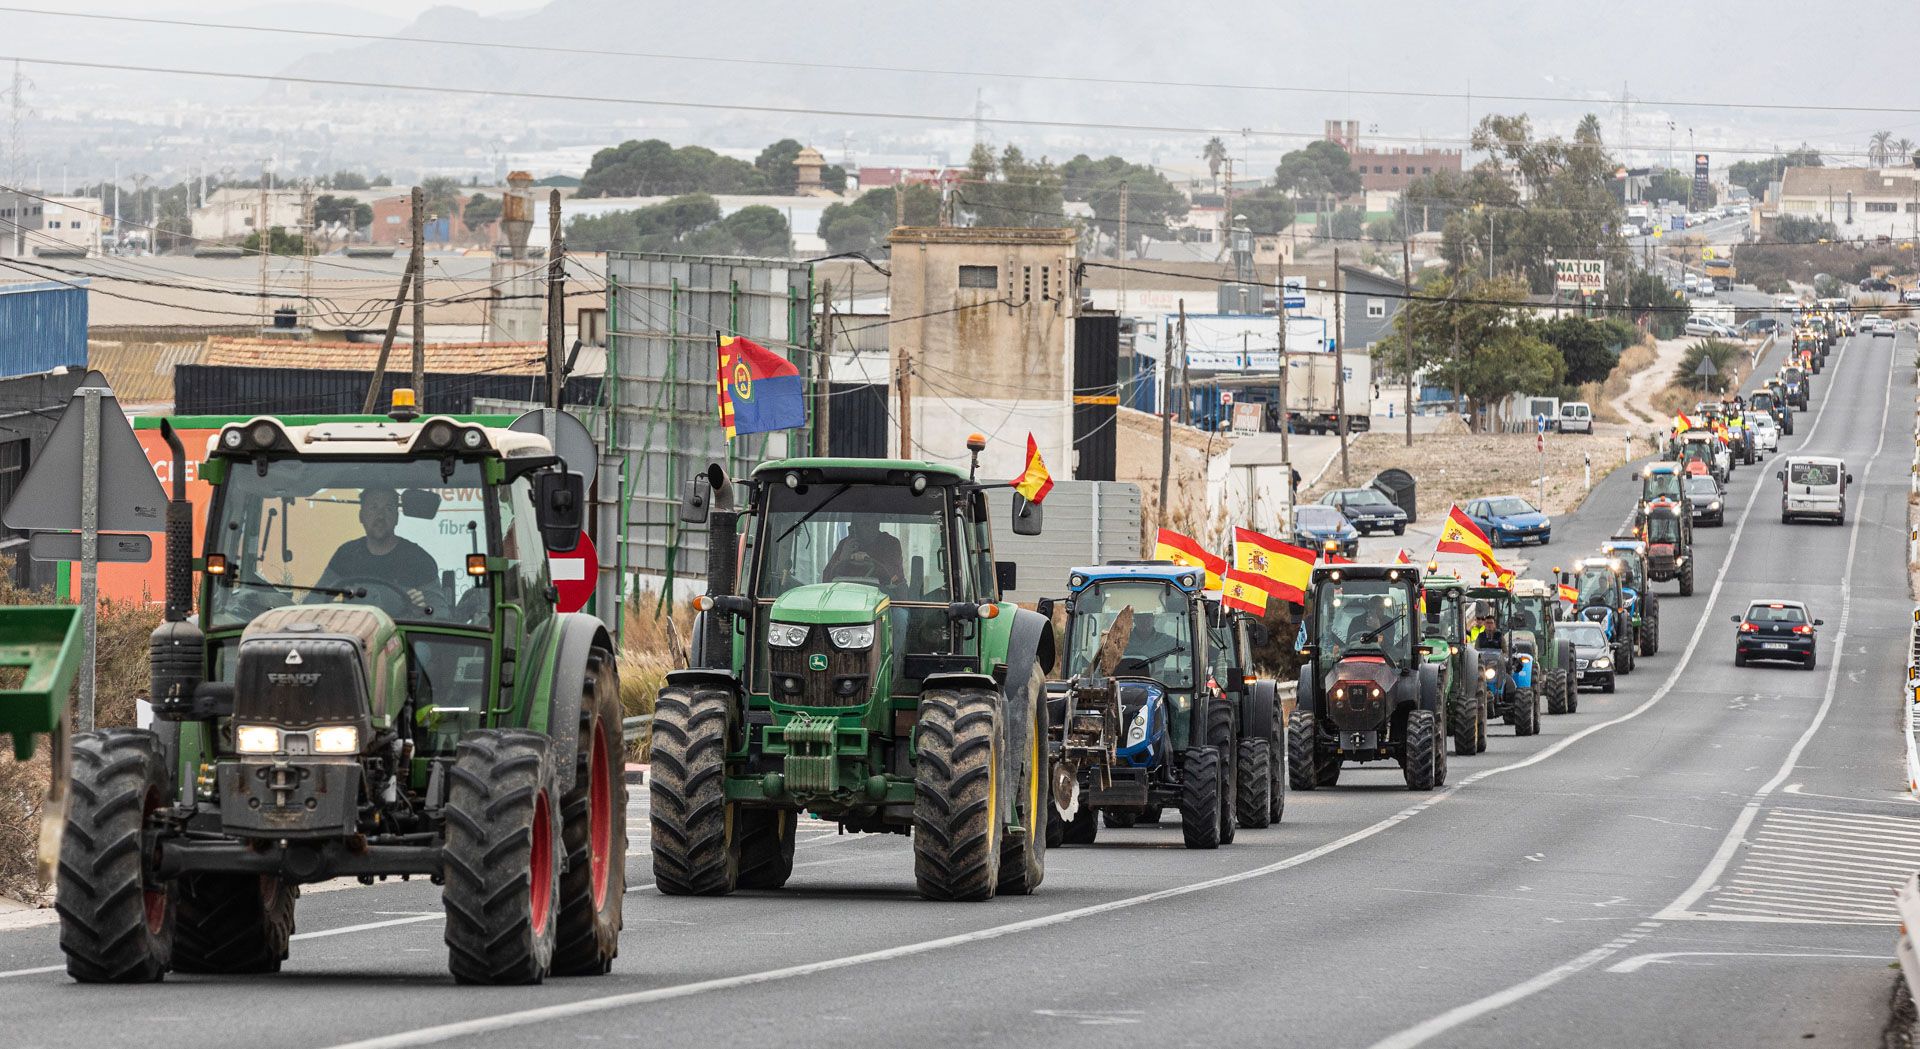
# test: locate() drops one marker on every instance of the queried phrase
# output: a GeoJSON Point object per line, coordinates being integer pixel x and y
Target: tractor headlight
{"type": "Point", "coordinates": [1489, 673]}
{"type": "Point", "coordinates": [256, 739]}
{"type": "Point", "coordinates": [852, 636]}
{"type": "Point", "coordinates": [1603, 663]}
{"type": "Point", "coordinates": [786, 635]}
{"type": "Point", "coordinates": [336, 739]}
{"type": "Point", "coordinates": [1137, 732]}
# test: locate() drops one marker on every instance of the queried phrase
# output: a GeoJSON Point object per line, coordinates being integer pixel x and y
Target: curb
{"type": "Point", "coordinates": [637, 775]}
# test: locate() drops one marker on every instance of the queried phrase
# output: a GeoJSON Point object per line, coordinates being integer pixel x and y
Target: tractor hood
{"type": "Point", "coordinates": [830, 604]}
{"type": "Point", "coordinates": [1360, 693]}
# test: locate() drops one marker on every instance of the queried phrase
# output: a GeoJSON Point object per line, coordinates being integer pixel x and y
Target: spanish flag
{"type": "Point", "coordinates": [1282, 568]}
{"type": "Point", "coordinates": [1461, 536]}
{"type": "Point", "coordinates": [1034, 482]}
{"type": "Point", "coordinates": [1404, 557]}
{"type": "Point", "coordinates": [1569, 593]}
{"type": "Point", "coordinates": [1170, 545]}
{"type": "Point", "coordinates": [1503, 576]}
{"type": "Point", "coordinates": [1681, 424]}
{"type": "Point", "coordinates": [1243, 592]}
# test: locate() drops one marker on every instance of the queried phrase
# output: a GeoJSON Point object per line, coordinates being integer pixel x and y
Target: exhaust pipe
{"type": "Point", "coordinates": [723, 567]}
{"type": "Point", "coordinates": [176, 651]}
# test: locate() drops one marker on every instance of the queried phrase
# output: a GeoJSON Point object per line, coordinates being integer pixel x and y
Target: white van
{"type": "Point", "coordinates": [1814, 486]}
{"type": "Point", "coordinates": [1576, 417]}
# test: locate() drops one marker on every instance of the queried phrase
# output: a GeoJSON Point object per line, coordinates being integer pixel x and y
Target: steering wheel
{"type": "Point", "coordinates": [393, 598]}
{"type": "Point", "coordinates": [861, 562]}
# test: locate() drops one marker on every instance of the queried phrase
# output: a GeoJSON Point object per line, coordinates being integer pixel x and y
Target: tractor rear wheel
{"type": "Point", "coordinates": [1023, 857]}
{"type": "Point", "coordinates": [1083, 828]}
{"type": "Point", "coordinates": [691, 819]}
{"type": "Point", "coordinates": [1277, 769]}
{"type": "Point", "coordinates": [231, 923]}
{"type": "Point", "coordinates": [1463, 720]}
{"type": "Point", "coordinates": [1200, 801]}
{"type": "Point", "coordinates": [1526, 712]}
{"type": "Point", "coordinates": [1255, 774]}
{"type": "Point", "coordinates": [593, 830]}
{"type": "Point", "coordinates": [1419, 762]}
{"type": "Point", "coordinates": [1647, 642]}
{"type": "Point", "coordinates": [1328, 774]}
{"type": "Point", "coordinates": [116, 918]}
{"type": "Point", "coordinates": [1439, 754]}
{"type": "Point", "coordinates": [1300, 751]}
{"type": "Point", "coordinates": [956, 804]}
{"type": "Point", "coordinates": [1150, 816]}
{"type": "Point", "coordinates": [763, 843]}
{"type": "Point", "coordinates": [1222, 731]}
{"type": "Point", "coordinates": [502, 888]}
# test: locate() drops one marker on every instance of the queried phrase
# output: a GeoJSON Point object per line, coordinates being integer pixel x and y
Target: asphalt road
{"type": "Point", "coordinates": [1699, 859]}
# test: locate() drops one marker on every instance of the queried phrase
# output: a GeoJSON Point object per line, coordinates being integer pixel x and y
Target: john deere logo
{"type": "Point", "coordinates": [816, 662]}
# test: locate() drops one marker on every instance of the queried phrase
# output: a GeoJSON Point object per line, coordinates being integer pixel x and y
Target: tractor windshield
{"type": "Point", "coordinates": [1662, 486]}
{"type": "Point", "coordinates": [1530, 615]}
{"type": "Point", "coordinates": [1161, 645]}
{"type": "Point", "coordinates": [866, 533]}
{"type": "Point", "coordinates": [1597, 585]}
{"type": "Point", "coordinates": [1363, 615]}
{"type": "Point", "coordinates": [391, 534]}
{"type": "Point", "coordinates": [1662, 528]}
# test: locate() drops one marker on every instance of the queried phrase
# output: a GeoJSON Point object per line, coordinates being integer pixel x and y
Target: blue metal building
{"type": "Point", "coordinates": [43, 326]}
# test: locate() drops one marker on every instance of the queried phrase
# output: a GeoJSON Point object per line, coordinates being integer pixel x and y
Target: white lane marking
{"type": "Point", "coordinates": [1452, 1018]}
{"type": "Point", "coordinates": [1641, 961]}
{"type": "Point", "coordinates": [1904, 799]}
{"type": "Point", "coordinates": [411, 919]}
{"type": "Point", "coordinates": [34, 972]}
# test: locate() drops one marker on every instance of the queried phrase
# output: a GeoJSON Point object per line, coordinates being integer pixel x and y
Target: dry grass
{"type": "Point", "coordinates": [1453, 468]}
{"type": "Point", "coordinates": [655, 642]}
{"type": "Point", "coordinates": [1633, 360]}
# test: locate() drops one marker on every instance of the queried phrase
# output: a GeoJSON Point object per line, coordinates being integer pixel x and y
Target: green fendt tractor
{"type": "Point", "coordinates": [1443, 601]}
{"type": "Point", "coordinates": [377, 683]}
{"type": "Point", "coordinates": [1536, 607]}
{"type": "Point", "coordinates": [858, 663]}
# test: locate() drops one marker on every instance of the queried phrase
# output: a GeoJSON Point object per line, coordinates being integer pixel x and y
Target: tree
{"type": "Point", "coordinates": [379, 182]}
{"type": "Point", "coordinates": [280, 242]}
{"type": "Point", "coordinates": [1583, 347]}
{"type": "Point", "coordinates": [1216, 155]}
{"type": "Point", "coordinates": [755, 230]}
{"type": "Point", "coordinates": [329, 210]}
{"type": "Point", "coordinates": [1347, 224]}
{"type": "Point", "coordinates": [1471, 339]}
{"type": "Point", "coordinates": [689, 224]}
{"type": "Point", "coordinates": [1803, 229]}
{"type": "Point", "coordinates": [1010, 190]}
{"type": "Point", "coordinates": [1153, 203]}
{"type": "Point", "coordinates": [348, 180]}
{"type": "Point", "coordinates": [1879, 148]}
{"type": "Point", "coordinates": [438, 195]}
{"type": "Point", "coordinates": [1655, 305]}
{"type": "Point", "coordinates": [1267, 209]}
{"type": "Point", "coordinates": [775, 164]}
{"type": "Point", "coordinates": [1569, 211]}
{"type": "Point", "coordinates": [1321, 169]}
{"type": "Point", "coordinates": [863, 224]}
{"type": "Point", "coordinates": [480, 210]}
{"type": "Point", "coordinates": [650, 167]}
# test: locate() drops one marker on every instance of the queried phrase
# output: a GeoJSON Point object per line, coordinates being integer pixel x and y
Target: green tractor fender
{"type": "Point", "coordinates": [1023, 644]}
{"type": "Point", "coordinates": [555, 710]}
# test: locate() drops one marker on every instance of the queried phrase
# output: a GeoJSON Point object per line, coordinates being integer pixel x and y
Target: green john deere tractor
{"type": "Point", "coordinates": [1443, 600]}
{"type": "Point", "coordinates": [376, 683]}
{"type": "Point", "coordinates": [1536, 609]}
{"type": "Point", "coordinates": [859, 663]}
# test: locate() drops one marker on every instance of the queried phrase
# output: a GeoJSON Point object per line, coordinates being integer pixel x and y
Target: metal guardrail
{"type": "Point", "coordinates": [636, 727]}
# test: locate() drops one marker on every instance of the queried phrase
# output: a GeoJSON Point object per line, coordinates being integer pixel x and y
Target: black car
{"type": "Point", "coordinates": [1367, 509]}
{"type": "Point", "coordinates": [1776, 630]}
{"type": "Point", "coordinates": [1325, 530]}
{"type": "Point", "coordinates": [1707, 498]}
{"type": "Point", "coordinates": [1592, 654]}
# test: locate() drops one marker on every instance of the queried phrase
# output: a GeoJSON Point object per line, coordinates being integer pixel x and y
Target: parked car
{"type": "Point", "coordinates": [1368, 510]}
{"type": "Point", "coordinates": [1325, 530]}
{"type": "Point", "coordinates": [1911, 295]}
{"type": "Point", "coordinates": [1776, 630]}
{"type": "Point", "coordinates": [1701, 324]}
{"type": "Point", "coordinates": [1787, 302]}
{"type": "Point", "coordinates": [1575, 417]}
{"type": "Point", "coordinates": [1707, 499]}
{"type": "Point", "coordinates": [1510, 520]}
{"type": "Point", "coordinates": [1761, 327]}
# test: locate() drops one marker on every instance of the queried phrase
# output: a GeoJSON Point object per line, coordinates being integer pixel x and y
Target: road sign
{"type": "Point", "coordinates": [572, 441]}
{"type": "Point", "coordinates": [1293, 293]}
{"type": "Point", "coordinates": [65, 546]}
{"type": "Point", "coordinates": [574, 575]}
{"type": "Point", "coordinates": [50, 496]}
{"type": "Point", "coordinates": [1226, 398]}
{"type": "Point", "coordinates": [1540, 422]}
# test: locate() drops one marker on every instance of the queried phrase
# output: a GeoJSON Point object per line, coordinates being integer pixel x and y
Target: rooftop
{"type": "Point", "coordinates": [494, 358]}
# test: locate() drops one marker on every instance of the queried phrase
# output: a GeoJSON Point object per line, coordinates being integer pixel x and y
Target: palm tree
{"type": "Point", "coordinates": [1216, 155]}
{"type": "Point", "coordinates": [1902, 152]}
{"type": "Point", "coordinates": [1879, 148]}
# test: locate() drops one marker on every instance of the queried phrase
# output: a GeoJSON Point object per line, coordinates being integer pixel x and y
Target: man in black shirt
{"type": "Point", "coordinates": [382, 556]}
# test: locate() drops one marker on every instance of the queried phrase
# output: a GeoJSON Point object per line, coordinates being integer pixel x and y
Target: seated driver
{"type": "Point", "coordinates": [1490, 635]}
{"type": "Point", "coordinates": [866, 553]}
{"type": "Point", "coordinates": [1373, 627]}
{"type": "Point", "coordinates": [381, 555]}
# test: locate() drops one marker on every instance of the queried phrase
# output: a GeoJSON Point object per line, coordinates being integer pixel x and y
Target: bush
{"type": "Point", "coordinates": [1773, 286]}
{"type": "Point", "coordinates": [1726, 357]}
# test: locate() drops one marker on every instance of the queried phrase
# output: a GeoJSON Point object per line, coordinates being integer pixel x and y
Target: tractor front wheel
{"type": "Point", "coordinates": [763, 845]}
{"type": "Point", "coordinates": [502, 889]}
{"type": "Point", "coordinates": [1254, 800]}
{"type": "Point", "coordinates": [1464, 722]}
{"type": "Point", "coordinates": [1200, 801]}
{"type": "Point", "coordinates": [1686, 578]}
{"type": "Point", "coordinates": [1222, 731]}
{"type": "Point", "coordinates": [956, 806]}
{"type": "Point", "coordinates": [1083, 828]}
{"type": "Point", "coordinates": [1556, 689]}
{"type": "Point", "coordinates": [1300, 751]}
{"type": "Point", "coordinates": [692, 822]}
{"type": "Point", "coordinates": [116, 918]}
{"type": "Point", "coordinates": [1419, 762]}
{"type": "Point", "coordinates": [231, 923]}
{"type": "Point", "coordinates": [593, 830]}
{"type": "Point", "coordinates": [1526, 712]}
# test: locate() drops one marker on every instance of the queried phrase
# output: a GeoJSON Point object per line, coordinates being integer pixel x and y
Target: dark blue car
{"type": "Point", "coordinates": [1510, 520]}
{"type": "Point", "coordinates": [1324, 529]}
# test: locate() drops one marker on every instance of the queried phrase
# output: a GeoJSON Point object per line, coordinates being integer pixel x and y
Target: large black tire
{"type": "Point", "coordinates": [1023, 857]}
{"type": "Point", "coordinates": [1301, 760]}
{"type": "Point", "coordinates": [1608, 686]}
{"type": "Point", "coordinates": [1653, 622]}
{"type": "Point", "coordinates": [1222, 731]}
{"type": "Point", "coordinates": [231, 923]}
{"type": "Point", "coordinates": [1277, 773]}
{"type": "Point", "coordinates": [593, 830]}
{"type": "Point", "coordinates": [1481, 718]}
{"type": "Point", "coordinates": [1255, 777]}
{"type": "Point", "coordinates": [1463, 722]}
{"type": "Point", "coordinates": [1440, 755]}
{"type": "Point", "coordinates": [1556, 692]}
{"type": "Point", "coordinates": [502, 888]}
{"type": "Point", "coordinates": [1328, 772]}
{"type": "Point", "coordinates": [1423, 742]}
{"type": "Point", "coordinates": [1083, 829]}
{"type": "Point", "coordinates": [116, 919]}
{"type": "Point", "coordinates": [1648, 641]}
{"type": "Point", "coordinates": [1813, 659]}
{"type": "Point", "coordinates": [1526, 711]}
{"type": "Point", "coordinates": [763, 843]}
{"type": "Point", "coordinates": [1119, 819]}
{"type": "Point", "coordinates": [689, 813]}
{"type": "Point", "coordinates": [1686, 578]}
{"type": "Point", "coordinates": [1200, 801]}
{"type": "Point", "coordinates": [1150, 816]}
{"type": "Point", "coordinates": [956, 835]}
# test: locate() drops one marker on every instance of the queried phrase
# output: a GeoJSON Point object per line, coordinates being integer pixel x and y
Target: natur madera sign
{"type": "Point", "coordinates": [1586, 276]}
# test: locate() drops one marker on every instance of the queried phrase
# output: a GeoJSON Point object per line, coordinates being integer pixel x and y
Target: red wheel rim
{"type": "Point", "coordinates": [154, 901]}
{"type": "Point", "coordinates": [540, 864]}
{"type": "Point", "coordinates": [600, 817]}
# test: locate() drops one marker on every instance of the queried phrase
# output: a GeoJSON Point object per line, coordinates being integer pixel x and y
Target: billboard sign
{"type": "Point", "coordinates": [1586, 276]}
{"type": "Point", "coordinates": [1700, 188]}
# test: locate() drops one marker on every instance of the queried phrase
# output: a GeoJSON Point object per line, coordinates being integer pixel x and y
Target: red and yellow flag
{"type": "Point", "coordinates": [1569, 593]}
{"type": "Point", "coordinates": [1282, 568]}
{"type": "Point", "coordinates": [1461, 536]}
{"type": "Point", "coordinates": [1681, 424]}
{"type": "Point", "coordinates": [1404, 557]}
{"type": "Point", "coordinates": [1336, 559]}
{"type": "Point", "coordinates": [726, 398]}
{"type": "Point", "coordinates": [1170, 545]}
{"type": "Point", "coordinates": [1034, 482]}
{"type": "Point", "coordinates": [1243, 592]}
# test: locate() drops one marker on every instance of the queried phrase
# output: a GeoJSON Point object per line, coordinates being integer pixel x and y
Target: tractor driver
{"type": "Point", "coordinates": [380, 555]}
{"type": "Point", "coordinates": [1487, 634]}
{"type": "Point", "coordinates": [866, 553]}
{"type": "Point", "coordinates": [1374, 627]}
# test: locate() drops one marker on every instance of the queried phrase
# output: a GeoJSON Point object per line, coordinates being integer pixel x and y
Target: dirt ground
{"type": "Point", "coordinates": [1452, 468]}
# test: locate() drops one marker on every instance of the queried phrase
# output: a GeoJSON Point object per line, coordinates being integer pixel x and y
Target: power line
{"type": "Point", "coordinates": [1601, 101]}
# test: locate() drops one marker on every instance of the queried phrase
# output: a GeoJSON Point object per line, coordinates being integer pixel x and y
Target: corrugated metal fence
{"type": "Point", "coordinates": [43, 326]}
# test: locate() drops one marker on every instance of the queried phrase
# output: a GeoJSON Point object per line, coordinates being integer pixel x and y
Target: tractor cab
{"type": "Point", "coordinates": [1167, 652]}
{"type": "Point", "coordinates": [1505, 664]}
{"type": "Point", "coordinates": [1536, 633]}
{"type": "Point", "coordinates": [1667, 528]}
{"type": "Point", "coordinates": [1661, 481]}
{"type": "Point", "coordinates": [1643, 605]}
{"type": "Point", "coordinates": [1601, 596]}
{"type": "Point", "coordinates": [1443, 618]}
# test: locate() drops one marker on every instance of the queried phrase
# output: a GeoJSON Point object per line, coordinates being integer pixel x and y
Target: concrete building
{"type": "Point", "coordinates": [1392, 168]}
{"type": "Point", "coordinates": [1860, 202]}
{"type": "Point", "coordinates": [1369, 303]}
{"type": "Point", "coordinates": [46, 225]}
{"type": "Point", "coordinates": [983, 328]}
{"type": "Point", "coordinates": [232, 213]}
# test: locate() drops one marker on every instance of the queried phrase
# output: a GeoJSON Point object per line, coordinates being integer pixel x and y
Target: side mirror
{"type": "Point", "coordinates": [1735, 617]}
{"type": "Point", "coordinates": [1849, 478]}
{"type": "Point", "coordinates": [1819, 622]}
{"type": "Point", "coordinates": [1026, 516]}
{"type": "Point", "coordinates": [699, 494]}
{"type": "Point", "coordinates": [559, 506]}
{"type": "Point", "coordinates": [1044, 606]}
{"type": "Point", "coordinates": [1006, 575]}
{"type": "Point", "coordinates": [1781, 474]}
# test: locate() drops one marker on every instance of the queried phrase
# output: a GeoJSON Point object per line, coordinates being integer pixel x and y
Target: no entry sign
{"type": "Point", "coordinates": [574, 574]}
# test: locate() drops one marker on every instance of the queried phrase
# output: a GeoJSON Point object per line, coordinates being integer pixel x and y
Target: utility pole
{"type": "Point", "coordinates": [1339, 370]}
{"type": "Point", "coordinates": [1186, 388]}
{"type": "Point", "coordinates": [903, 387]}
{"type": "Point", "coordinates": [262, 228]}
{"type": "Point", "coordinates": [306, 253]}
{"type": "Point", "coordinates": [1406, 331]}
{"type": "Point", "coordinates": [418, 223]}
{"type": "Point", "coordinates": [556, 304]}
{"type": "Point", "coordinates": [823, 405]}
{"type": "Point", "coordinates": [1280, 276]}
{"type": "Point", "coordinates": [1120, 242]}
{"type": "Point", "coordinates": [372, 403]}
